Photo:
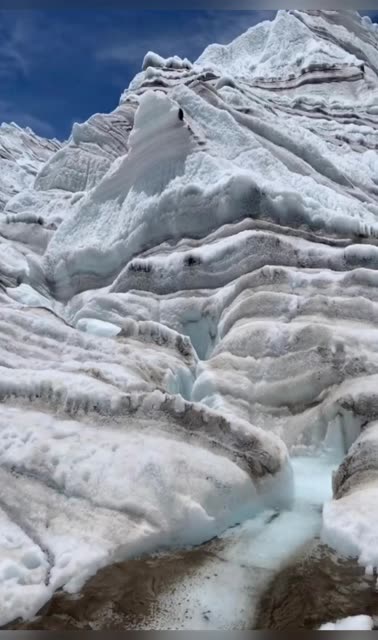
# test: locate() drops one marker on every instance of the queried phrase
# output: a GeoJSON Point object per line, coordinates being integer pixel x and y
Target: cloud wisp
{"type": "Point", "coordinates": [9, 112]}
{"type": "Point", "coordinates": [121, 46]}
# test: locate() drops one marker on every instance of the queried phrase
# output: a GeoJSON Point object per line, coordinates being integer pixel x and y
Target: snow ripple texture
{"type": "Point", "coordinates": [188, 295]}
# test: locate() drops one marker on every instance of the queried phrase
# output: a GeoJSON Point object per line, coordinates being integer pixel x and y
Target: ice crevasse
{"type": "Point", "coordinates": [188, 297]}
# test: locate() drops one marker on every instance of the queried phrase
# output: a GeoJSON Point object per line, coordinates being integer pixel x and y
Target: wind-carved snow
{"type": "Point", "coordinates": [189, 297]}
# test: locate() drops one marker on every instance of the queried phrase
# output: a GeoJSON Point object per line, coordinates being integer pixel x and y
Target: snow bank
{"type": "Point", "coordinates": [353, 623]}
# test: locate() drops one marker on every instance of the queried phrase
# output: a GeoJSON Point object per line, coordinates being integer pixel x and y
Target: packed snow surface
{"type": "Point", "coordinates": [188, 298]}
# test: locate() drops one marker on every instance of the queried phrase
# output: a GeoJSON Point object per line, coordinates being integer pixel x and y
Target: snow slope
{"type": "Point", "coordinates": [188, 295]}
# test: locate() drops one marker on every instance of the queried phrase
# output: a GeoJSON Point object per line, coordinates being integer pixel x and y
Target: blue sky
{"type": "Point", "coordinates": [58, 67]}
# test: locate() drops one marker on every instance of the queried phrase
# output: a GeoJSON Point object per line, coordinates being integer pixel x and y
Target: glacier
{"type": "Point", "coordinates": [361, 623]}
{"type": "Point", "coordinates": [188, 310]}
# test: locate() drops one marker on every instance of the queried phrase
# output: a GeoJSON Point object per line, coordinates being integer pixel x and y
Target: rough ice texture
{"type": "Point", "coordinates": [350, 522]}
{"type": "Point", "coordinates": [189, 293]}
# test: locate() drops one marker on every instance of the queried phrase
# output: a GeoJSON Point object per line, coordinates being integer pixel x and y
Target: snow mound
{"type": "Point", "coordinates": [152, 59]}
{"type": "Point", "coordinates": [353, 623]}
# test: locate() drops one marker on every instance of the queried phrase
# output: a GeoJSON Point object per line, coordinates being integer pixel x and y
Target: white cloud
{"type": "Point", "coordinates": [12, 60]}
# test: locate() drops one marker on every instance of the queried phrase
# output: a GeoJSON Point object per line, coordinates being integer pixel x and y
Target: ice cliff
{"type": "Point", "coordinates": [188, 297]}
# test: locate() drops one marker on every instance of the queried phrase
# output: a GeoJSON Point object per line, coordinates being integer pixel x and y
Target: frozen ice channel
{"type": "Point", "coordinates": [225, 591]}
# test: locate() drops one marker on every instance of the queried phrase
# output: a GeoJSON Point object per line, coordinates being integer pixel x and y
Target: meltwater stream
{"type": "Point", "coordinates": [221, 584]}
{"type": "Point", "coordinates": [224, 592]}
